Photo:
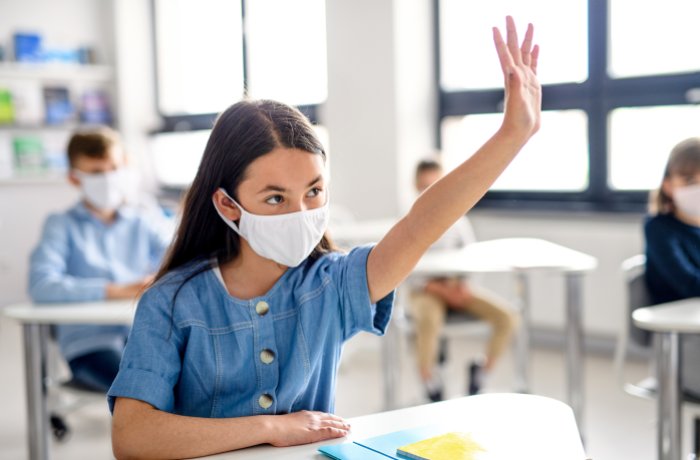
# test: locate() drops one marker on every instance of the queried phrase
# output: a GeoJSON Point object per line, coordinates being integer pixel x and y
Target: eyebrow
{"type": "Point", "coordinates": [278, 188]}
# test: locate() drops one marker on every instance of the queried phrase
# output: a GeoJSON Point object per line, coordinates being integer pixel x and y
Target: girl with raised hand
{"type": "Point", "coordinates": [238, 341]}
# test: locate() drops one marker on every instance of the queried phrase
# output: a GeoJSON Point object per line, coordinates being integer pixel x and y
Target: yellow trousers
{"type": "Point", "coordinates": [428, 312]}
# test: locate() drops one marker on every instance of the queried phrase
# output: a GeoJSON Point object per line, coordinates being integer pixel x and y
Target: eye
{"type": "Point", "coordinates": [274, 199]}
{"type": "Point", "coordinates": [314, 192]}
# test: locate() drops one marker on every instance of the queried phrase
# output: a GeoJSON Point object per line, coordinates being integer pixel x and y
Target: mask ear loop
{"type": "Point", "coordinates": [229, 222]}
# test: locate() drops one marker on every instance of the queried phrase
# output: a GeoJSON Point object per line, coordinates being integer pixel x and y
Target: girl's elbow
{"type": "Point", "coordinates": [123, 447]}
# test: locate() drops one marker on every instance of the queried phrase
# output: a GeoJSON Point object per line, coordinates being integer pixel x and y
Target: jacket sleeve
{"type": "Point", "coordinates": [49, 280]}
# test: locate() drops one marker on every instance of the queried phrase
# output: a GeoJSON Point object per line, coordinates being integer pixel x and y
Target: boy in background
{"type": "Point", "coordinates": [99, 249]}
{"type": "Point", "coordinates": [431, 298]}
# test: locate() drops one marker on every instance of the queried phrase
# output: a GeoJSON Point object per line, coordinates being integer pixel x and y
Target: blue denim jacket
{"type": "Point", "coordinates": [212, 355]}
{"type": "Point", "coordinates": [78, 255]}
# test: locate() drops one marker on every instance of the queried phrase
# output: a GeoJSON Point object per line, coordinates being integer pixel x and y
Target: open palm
{"type": "Point", "coordinates": [523, 93]}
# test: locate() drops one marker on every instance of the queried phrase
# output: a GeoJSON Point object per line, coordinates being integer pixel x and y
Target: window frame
{"type": "Point", "coordinates": [597, 96]}
{"type": "Point", "coordinates": [199, 121]}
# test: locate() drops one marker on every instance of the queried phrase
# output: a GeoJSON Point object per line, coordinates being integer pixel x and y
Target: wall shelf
{"type": "Point", "coordinates": [56, 72]}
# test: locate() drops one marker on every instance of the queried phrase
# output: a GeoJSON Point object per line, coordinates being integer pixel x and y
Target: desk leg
{"type": "Point", "coordinates": [391, 363]}
{"type": "Point", "coordinates": [669, 397]}
{"type": "Point", "coordinates": [35, 368]}
{"type": "Point", "coordinates": [390, 366]}
{"type": "Point", "coordinates": [574, 346]}
{"type": "Point", "coordinates": [522, 341]}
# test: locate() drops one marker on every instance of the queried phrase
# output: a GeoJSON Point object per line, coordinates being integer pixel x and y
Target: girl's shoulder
{"type": "Point", "coordinates": [664, 224]}
{"type": "Point", "coordinates": [182, 276]}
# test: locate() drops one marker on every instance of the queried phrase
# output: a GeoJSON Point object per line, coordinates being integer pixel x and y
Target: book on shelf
{"type": "Point", "coordinates": [27, 102]}
{"type": "Point", "coordinates": [95, 107]}
{"type": "Point", "coordinates": [7, 112]}
{"type": "Point", "coordinates": [58, 106]}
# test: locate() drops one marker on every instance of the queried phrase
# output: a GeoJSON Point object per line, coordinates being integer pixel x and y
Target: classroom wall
{"type": "Point", "coordinates": [380, 115]}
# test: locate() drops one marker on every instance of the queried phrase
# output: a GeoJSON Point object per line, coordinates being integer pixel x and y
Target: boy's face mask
{"type": "Point", "coordinates": [288, 239]}
{"type": "Point", "coordinates": [687, 200]}
{"type": "Point", "coordinates": [105, 191]}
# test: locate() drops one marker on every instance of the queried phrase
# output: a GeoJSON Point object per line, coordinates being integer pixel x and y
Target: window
{"type": "Point", "coordinates": [212, 53]}
{"type": "Point", "coordinates": [616, 96]}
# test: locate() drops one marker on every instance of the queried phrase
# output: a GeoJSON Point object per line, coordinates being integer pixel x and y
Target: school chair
{"type": "Point", "coordinates": [64, 395]}
{"type": "Point", "coordinates": [640, 342]}
{"type": "Point", "coordinates": [458, 324]}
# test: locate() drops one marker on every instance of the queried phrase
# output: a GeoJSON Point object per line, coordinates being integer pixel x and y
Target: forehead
{"type": "Point", "coordinates": [285, 166]}
{"type": "Point", "coordinates": [429, 175]}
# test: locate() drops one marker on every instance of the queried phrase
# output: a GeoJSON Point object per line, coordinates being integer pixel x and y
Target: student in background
{"type": "Point", "coordinates": [238, 341]}
{"type": "Point", "coordinates": [100, 249]}
{"type": "Point", "coordinates": [431, 298]}
{"type": "Point", "coordinates": [672, 234]}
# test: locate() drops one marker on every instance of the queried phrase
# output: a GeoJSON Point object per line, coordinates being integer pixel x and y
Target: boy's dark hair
{"type": "Point", "coordinates": [427, 165]}
{"type": "Point", "coordinates": [93, 143]}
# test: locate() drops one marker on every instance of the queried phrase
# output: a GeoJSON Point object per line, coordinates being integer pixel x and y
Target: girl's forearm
{"type": "Point", "coordinates": [141, 431]}
{"type": "Point", "coordinates": [456, 193]}
{"type": "Point", "coordinates": [437, 209]}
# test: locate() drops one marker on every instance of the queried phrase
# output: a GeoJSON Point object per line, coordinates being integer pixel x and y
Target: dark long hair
{"type": "Point", "coordinates": [244, 132]}
{"type": "Point", "coordinates": [684, 160]}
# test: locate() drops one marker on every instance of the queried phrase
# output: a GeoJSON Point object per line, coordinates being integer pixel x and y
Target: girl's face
{"type": "Point", "coordinates": [280, 182]}
{"type": "Point", "coordinates": [684, 191]}
{"type": "Point", "coordinates": [676, 181]}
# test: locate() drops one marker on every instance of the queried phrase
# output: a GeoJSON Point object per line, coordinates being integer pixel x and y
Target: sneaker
{"type": "Point", "coordinates": [434, 387]}
{"type": "Point", "coordinates": [476, 377]}
{"type": "Point", "coordinates": [434, 395]}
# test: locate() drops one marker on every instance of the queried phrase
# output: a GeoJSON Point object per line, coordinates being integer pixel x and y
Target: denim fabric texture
{"type": "Point", "coordinates": [209, 354]}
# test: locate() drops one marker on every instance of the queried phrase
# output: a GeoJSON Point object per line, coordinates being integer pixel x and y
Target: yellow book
{"type": "Point", "coordinates": [448, 446]}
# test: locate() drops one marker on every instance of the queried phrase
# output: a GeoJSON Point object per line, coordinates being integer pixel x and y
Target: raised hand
{"type": "Point", "coordinates": [523, 93]}
{"type": "Point", "coordinates": [305, 427]}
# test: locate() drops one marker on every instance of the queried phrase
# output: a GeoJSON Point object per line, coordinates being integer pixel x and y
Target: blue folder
{"type": "Point", "coordinates": [379, 447]}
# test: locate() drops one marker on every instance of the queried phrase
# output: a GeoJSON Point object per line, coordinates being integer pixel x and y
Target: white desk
{"type": "Point", "coordinates": [520, 256]}
{"type": "Point", "coordinates": [360, 232]}
{"type": "Point", "coordinates": [35, 320]}
{"type": "Point", "coordinates": [507, 426]}
{"type": "Point", "coordinates": [668, 321]}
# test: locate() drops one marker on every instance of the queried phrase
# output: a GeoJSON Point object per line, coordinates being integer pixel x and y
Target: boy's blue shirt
{"type": "Point", "coordinates": [209, 354]}
{"type": "Point", "coordinates": [78, 255]}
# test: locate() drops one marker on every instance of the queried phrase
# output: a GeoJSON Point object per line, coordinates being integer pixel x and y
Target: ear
{"type": "Point", "coordinates": [73, 179]}
{"type": "Point", "coordinates": [227, 207]}
{"type": "Point", "coordinates": [667, 187]}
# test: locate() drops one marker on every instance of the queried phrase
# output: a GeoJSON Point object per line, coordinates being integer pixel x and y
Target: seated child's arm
{"type": "Point", "coordinates": [141, 431]}
{"type": "Point", "coordinates": [452, 196]}
{"type": "Point", "coordinates": [48, 277]}
{"type": "Point", "coordinates": [49, 280]}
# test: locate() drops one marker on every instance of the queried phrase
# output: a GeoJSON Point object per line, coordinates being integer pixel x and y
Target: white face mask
{"type": "Point", "coordinates": [288, 239]}
{"type": "Point", "coordinates": [105, 191]}
{"type": "Point", "coordinates": [687, 200]}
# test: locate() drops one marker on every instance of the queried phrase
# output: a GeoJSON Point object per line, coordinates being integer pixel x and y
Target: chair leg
{"type": "Point", "coordinates": [442, 353]}
{"type": "Point", "coordinates": [59, 428]}
{"type": "Point", "coordinates": [696, 437]}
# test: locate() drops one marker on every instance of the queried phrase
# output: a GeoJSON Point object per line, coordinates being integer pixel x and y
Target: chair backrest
{"type": "Point", "coordinates": [637, 297]}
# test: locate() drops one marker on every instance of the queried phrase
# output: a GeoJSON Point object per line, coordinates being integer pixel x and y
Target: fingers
{"type": "Point", "coordinates": [534, 57]}
{"type": "Point", "coordinates": [337, 424]}
{"type": "Point", "coordinates": [527, 45]}
{"type": "Point", "coordinates": [504, 56]}
{"type": "Point", "coordinates": [509, 54]}
{"type": "Point", "coordinates": [512, 40]}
